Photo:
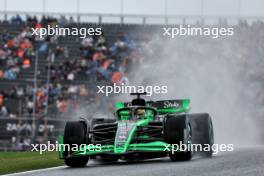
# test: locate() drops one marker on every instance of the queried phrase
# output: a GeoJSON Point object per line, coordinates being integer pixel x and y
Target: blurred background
{"type": "Point", "coordinates": [46, 81]}
{"type": "Point", "coordinates": [135, 10]}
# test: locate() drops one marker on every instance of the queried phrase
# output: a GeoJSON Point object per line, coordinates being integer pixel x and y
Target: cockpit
{"type": "Point", "coordinates": [136, 113]}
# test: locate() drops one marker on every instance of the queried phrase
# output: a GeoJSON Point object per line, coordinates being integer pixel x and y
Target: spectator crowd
{"type": "Point", "coordinates": [74, 76]}
{"type": "Point", "coordinates": [98, 60]}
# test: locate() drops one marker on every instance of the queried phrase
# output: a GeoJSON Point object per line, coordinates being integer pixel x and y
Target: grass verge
{"type": "Point", "coordinates": [11, 162]}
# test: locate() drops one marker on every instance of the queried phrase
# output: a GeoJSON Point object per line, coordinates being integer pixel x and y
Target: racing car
{"type": "Point", "coordinates": [140, 130]}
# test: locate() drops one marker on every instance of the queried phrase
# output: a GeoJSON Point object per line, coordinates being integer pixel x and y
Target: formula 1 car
{"type": "Point", "coordinates": [141, 130]}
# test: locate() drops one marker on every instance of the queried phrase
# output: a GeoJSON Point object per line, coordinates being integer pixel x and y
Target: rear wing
{"type": "Point", "coordinates": [163, 106]}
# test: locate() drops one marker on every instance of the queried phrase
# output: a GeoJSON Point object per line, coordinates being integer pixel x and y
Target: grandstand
{"type": "Point", "coordinates": [26, 76]}
{"type": "Point", "coordinates": [63, 72]}
{"type": "Point", "coordinates": [51, 60]}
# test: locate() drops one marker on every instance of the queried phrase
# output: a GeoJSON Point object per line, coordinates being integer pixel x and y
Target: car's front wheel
{"type": "Point", "coordinates": [76, 162]}
{"type": "Point", "coordinates": [178, 132]}
{"type": "Point", "coordinates": [74, 134]}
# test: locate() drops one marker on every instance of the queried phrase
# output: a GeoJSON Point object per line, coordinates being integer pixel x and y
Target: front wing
{"type": "Point", "coordinates": [157, 146]}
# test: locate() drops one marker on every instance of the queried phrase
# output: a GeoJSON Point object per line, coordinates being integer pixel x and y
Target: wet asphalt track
{"type": "Point", "coordinates": [241, 162]}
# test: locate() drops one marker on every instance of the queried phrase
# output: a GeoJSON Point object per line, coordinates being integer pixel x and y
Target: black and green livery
{"type": "Point", "coordinates": [140, 130]}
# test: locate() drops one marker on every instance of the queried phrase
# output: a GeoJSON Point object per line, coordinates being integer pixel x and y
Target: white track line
{"type": "Point", "coordinates": [32, 171]}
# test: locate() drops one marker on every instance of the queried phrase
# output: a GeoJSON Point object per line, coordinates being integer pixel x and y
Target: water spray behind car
{"type": "Point", "coordinates": [214, 75]}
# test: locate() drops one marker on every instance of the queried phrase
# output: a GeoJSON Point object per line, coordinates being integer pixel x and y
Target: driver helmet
{"type": "Point", "coordinates": [140, 112]}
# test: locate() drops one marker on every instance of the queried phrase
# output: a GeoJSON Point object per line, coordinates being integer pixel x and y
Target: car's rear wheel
{"type": "Point", "coordinates": [177, 132]}
{"type": "Point", "coordinates": [203, 132]}
{"type": "Point", "coordinates": [75, 134]}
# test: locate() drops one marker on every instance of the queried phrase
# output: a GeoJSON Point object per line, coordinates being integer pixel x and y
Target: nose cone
{"type": "Point", "coordinates": [124, 134]}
